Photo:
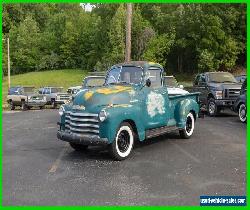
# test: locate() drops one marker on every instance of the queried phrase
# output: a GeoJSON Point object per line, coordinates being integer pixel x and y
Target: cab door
{"type": "Point", "coordinates": [156, 101]}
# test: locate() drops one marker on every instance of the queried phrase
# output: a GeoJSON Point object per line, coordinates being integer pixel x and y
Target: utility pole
{"type": "Point", "coordinates": [8, 45]}
{"type": "Point", "coordinates": [128, 33]}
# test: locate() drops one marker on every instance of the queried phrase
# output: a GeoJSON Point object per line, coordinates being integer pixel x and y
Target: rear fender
{"type": "Point", "coordinates": [182, 109]}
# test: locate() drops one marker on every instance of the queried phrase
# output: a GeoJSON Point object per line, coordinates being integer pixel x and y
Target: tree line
{"type": "Point", "coordinates": [184, 38]}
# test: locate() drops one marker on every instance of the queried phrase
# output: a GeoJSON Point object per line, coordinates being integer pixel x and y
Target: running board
{"type": "Point", "coordinates": [159, 131]}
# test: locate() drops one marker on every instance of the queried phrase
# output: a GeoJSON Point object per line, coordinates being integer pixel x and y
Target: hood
{"type": "Point", "coordinates": [97, 98]}
{"type": "Point", "coordinates": [222, 86]}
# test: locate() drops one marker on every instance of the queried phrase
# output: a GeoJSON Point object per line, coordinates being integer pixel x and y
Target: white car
{"type": "Point", "coordinates": [173, 86]}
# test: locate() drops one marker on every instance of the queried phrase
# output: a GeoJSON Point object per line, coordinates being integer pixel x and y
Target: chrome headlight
{"type": "Point", "coordinates": [102, 115]}
{"type": "Point", "coordinates": [218, 94]}
{"type": "Point", "coordinates": [44, 98]}
{"type": "Point", "coordinates": [61, 110]}
{"type": "Point", "coordinates": [29, 97]}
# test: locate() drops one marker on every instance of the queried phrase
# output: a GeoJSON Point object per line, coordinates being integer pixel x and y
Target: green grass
{"type": "Point", "coordinates": [63, 78]}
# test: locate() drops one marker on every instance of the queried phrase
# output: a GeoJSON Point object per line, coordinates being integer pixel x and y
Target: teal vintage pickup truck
{"type": "Point", "coordinates": [133, 104]}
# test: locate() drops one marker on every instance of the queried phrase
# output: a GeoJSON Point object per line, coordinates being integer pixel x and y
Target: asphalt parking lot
{"type": "Point", "coordinates": [38, 169]}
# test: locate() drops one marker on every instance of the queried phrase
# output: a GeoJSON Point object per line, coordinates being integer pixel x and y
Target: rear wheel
{"type": "Point", "coordinates": [23, 106]}
{"type": "Point", "coordinates": [78, 147]}
{"type": "Point", "coordinates": [187, 132]}
{"type": "Point", "coordinates": [123, 143]}
{"type": "Point", "coordinates": [12, 106]}
{"type": "Point", "coordinates": [53, 104]}
{"type": "Point", "coordinates": [212, 108]}
{"type": "Point", "coordinates": [243, 113]}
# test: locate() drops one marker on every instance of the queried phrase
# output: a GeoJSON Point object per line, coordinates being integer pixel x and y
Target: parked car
{"type": "Point", "coordinates": [55, 96]}
{"type": "Point", "coordinates": [93, 81]}
{"type": "Point", "coordinates": [132, 104]}
{"type": "Point", "coordinates": [219, 90]}
{"type": "Point", "coordinates": [241, 78]}
{"type": "Point", "coordinates": [174, 88]}
{"type": "Point", "coordinates": [25, 97]}
{"type": "Point", "coordinates": [240, 105]}
{"type": "Point", "coordinates": [74, 90]}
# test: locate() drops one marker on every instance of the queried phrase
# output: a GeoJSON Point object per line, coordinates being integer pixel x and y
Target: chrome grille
{"type": "Point", "coordinates": [63, 97]}
{"type": "Point", "coordinates": [82, 123]}
{"type": "Point", "coordinates": [232, 93]}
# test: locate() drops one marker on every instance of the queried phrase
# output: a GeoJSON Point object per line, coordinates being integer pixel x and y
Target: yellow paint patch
{"type": "Point", "coordinates": [151, 63]}
{"type": "Point", "coordinates": [116, 89]}
{"type": "Point", "coordinates": [88, 95]}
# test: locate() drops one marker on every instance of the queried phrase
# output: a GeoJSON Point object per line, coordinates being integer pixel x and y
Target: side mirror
{"type": "Point", "coordinates": [148, 83]}
{"type": "Point", "coordinates": [181, 87]}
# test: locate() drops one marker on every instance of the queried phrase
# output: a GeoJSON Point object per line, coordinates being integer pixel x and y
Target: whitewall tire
{"type": "Point", "coordinates": [187, 132]}
{"type": "Point", "coordinates": [123, 143]}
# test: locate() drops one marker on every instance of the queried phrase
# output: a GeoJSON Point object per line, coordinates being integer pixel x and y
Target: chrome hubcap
{"type": "Point", "coordinates": [211, 107]}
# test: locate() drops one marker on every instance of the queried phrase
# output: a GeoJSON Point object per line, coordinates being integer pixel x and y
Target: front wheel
{"type": "Point", "coordinates": [187, 132]}
{"type": "Point", "coordinates": [53, 104]}
{"type": "Point", "coordinates": [123, 143]}
{"type": "Point", "coordinates": [12, 106]}
{"type": "Point", "coordinates": [212, 108]}
{"type": "Point", "coordinates": [243, 113]}
{"type": "Point", "coordinates": [23, 106]}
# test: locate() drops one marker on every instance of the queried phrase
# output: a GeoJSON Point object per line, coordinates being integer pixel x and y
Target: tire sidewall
{"type": "Point", "coordinates": [12, 107]}
{"type": "Point", "coordinates": [211, 100]}
{"type": "Point", "coordinates": [242, 106]}
{"type": "Point", "coordinates": [23, 106]}
{"type": "Point", "coordinates": [190, 133]}
{"type": "Point", "coordinates": [117, 154]}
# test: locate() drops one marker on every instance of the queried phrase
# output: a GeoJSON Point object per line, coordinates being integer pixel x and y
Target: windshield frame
{"type": "Point", "coordinates": [120, 68]}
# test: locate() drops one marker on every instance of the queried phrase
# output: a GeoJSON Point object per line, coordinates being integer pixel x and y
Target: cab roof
{"type": "Point", "coordinates": [143, 64]}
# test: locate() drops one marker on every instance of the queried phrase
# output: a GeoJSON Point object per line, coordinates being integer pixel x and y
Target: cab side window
{"type": "Point", "coordinates": [154, 75]}
{"type": "Point", "coordinates": [202, 80]}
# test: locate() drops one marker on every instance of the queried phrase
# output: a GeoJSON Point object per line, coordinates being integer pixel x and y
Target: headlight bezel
{"type": "Point", "coordinates": [102, 116]}
{"type": "Point", "coordinates": [218, 94]}
{"type": "Point", "coordinates": [61, 110]}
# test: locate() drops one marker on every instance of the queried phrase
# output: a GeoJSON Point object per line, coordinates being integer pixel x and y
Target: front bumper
{"type": "Point", "coordinates": [224, 102]}
{"type": "Point", "coordinates": [36, 103]}
{"type": "Point", "coordinates": [61, 102]}
{"type": "Point", "coordinates": [81, 139]}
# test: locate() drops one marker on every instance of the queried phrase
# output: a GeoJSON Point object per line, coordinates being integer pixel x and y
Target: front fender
{"type": "Point", "coordinates": [116, 115]}
{"type": "Point", "coordinates": [183, 108]}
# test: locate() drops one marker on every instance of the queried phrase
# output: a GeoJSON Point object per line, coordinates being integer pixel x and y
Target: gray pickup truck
{"type": "Point", "coordinates": [219, 90]}
{"type": "Point", "coordinates": [55, 96]}
{"type": "Point", "coordinates": [25, 97]}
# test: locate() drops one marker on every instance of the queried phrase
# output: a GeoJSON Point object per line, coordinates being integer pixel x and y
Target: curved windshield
{"type": "Point", "coordinates": [221, 77]}
{"type": "Point", "coordinates": [124, 75]}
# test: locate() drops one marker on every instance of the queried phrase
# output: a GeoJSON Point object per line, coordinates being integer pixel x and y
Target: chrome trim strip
{"type": "Point", "coordinates": [82, 130]}
{"type": "Point", "coordinates": [82, 125]}
{"type": "Point", "coordinates": [81, 119]}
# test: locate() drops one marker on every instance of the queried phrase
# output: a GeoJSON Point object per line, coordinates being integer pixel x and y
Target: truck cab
{"type": "Point", "coordinates": [133, 104]}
